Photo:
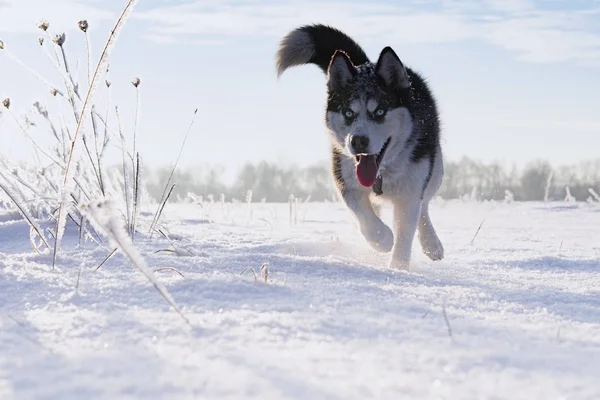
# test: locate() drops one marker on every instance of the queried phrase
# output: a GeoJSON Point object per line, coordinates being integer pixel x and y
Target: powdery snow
{"type": "Point", "coordinates": [522, 304]}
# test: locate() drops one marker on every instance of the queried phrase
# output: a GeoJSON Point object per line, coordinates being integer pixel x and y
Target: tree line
{"type": "Point", "coordinates": [466, 177]}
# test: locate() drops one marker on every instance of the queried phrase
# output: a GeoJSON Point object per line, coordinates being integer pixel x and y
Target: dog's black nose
{"type": "Point", "coordinates": [360, 144]}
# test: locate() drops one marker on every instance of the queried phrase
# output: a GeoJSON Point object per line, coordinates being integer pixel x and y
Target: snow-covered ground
{"type": "Point", "coordinates": [513, 315]}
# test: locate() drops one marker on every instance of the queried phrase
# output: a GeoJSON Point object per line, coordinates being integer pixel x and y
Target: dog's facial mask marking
{"type": "Point", "coordinates": [359, 103]}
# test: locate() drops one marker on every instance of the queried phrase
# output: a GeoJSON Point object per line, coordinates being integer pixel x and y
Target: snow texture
{"type": "Point", "coordinates": [513, 314]}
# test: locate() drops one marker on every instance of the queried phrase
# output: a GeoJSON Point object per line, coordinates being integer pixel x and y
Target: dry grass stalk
{"type": "Point", "coordinates": [594, 194]}
{"type": "Point", "coordinates": [165, 196]}
{"type": "Point", "coordinates": [106, 259]}
{"type": "Point", "coordinates": [253, 273]}
{"type": "Point", "coordinates": [170, 269]}
{"type": "Point", "coordinates": [103, 216]}
{"type": "Point", "coordinates": [448, 326]}
{"type": "Point", "coordinates": [477, 231]}
{"type": "Point", "coordinates": [22, 210]}
{"type": "Point", "coordinates": [68, 172]}
{"type": "Point", "coordinates": [264, 269]}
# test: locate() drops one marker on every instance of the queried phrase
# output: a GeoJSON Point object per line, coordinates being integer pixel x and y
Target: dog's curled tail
{"type": "Point", "coordinates": [316, 44]}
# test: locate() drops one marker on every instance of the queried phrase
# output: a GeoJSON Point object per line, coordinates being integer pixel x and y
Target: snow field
{"type": "Point", "coordinates": [513, 315]}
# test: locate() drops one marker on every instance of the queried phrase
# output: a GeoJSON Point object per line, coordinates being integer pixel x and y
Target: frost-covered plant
{"type": "Point", "coordinates": [72, 171]}
{"type": "Point", "coordinates": [71, 181]}
{"type": "Point", "coordinates": [105, 219]}
{"type": "Point", "coordinates": [594, 195]}
{"type": "Point", "coordinates": [509, 196]}
{"type": "Point", "coordinates": [568, 196]}
{"type": "Point", "coordinates": [548, 186]}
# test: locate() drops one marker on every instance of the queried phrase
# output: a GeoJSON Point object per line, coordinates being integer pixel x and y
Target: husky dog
{"type": "Point", "coordinates": [385, 137]}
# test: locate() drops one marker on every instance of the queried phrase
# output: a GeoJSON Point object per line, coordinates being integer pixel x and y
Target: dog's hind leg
{"type": "Point", "coordinates": [430, 242]}
{"type": "Point", "coordinates": [375, 232]}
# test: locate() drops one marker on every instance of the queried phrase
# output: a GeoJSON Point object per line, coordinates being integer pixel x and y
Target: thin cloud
{"type": "Point", "coordinates": [534, 34]}
{"type": "Point", "coordinates": [520, 26]}
{"type": "Point", "coordinates": [510, 6]}
{"type": "Point", "coordinates": [274, 19]}
{"type": "Point", "coordinates": [542, 36]}
{"type": "Point", "coordinates": [23, 16]}
{"type": "Point", "coordinates": [543, 44]}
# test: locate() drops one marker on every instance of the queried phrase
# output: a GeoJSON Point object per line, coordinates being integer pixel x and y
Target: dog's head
{"type": "Point", "coordinates": [367, 109]}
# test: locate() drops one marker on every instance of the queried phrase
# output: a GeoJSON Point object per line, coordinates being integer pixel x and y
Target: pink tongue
{"type": "Point", "coordinates": [366, 170]}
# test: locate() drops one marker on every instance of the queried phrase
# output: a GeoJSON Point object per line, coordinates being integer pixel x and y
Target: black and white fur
{"type": "Point", "coordinates": [379, 101]}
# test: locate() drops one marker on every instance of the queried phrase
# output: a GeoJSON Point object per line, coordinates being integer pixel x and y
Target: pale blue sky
{"type": "Point", "coordinates": [515, 80]}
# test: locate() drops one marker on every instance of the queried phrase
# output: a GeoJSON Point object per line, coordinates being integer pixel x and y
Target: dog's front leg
{"type": "Point", "coordinates": [406, 218]}
{"type": "Point", "coordinates": [376, 233]}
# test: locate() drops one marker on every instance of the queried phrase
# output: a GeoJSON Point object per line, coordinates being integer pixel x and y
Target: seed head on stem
{"type": "Point", "coordinates": [44, 25]}
{"type": "Point", "coordinates": [1, 45]}
{"type": "Point", "coordinates": [6, 103]}
{"type": "Point", "coordinates": [83, 25]}
{"type": "Point", "coordinates": [136, 82]}
{"type": "Point", "coordinates": [41, 41]}
{"type": "Point", "coordinates": [60, 39]}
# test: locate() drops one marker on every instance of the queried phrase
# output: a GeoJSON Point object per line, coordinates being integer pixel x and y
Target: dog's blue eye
{"type": "Point", "coordinates": [349, 114]}
{"type": "Point", "coordinates": [380, 112]}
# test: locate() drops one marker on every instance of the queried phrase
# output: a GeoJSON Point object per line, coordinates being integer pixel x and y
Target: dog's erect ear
{"type": "Point", "coordinates": [390, 69]}
{"type": "Point", "coordinates": [340, 71]}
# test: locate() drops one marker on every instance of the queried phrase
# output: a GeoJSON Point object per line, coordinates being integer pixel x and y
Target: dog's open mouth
{"type": "Point", "coordinates": [367, 166]}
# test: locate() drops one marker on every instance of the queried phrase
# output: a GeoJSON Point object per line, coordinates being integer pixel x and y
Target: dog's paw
{"type": "Point", "coordinates": [379, 236]}
{"type": "Point", "coordinates": [401, 264]}
{"type": "Point", "coordinates": [432, 247]}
